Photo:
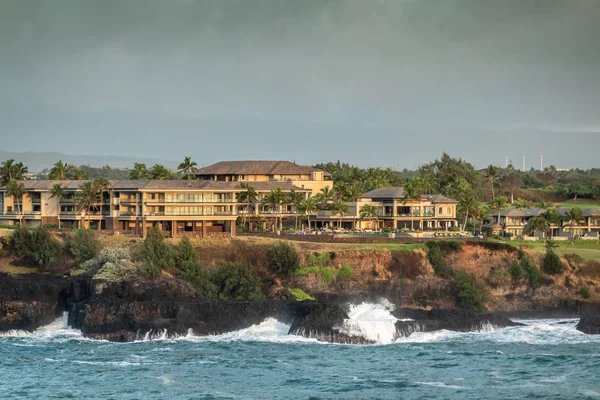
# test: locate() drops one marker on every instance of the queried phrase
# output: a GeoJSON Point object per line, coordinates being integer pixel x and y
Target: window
{"type": "Point", "coordinates": [440, 210]}
{"type": "Point", "coordinates": [449, 211]}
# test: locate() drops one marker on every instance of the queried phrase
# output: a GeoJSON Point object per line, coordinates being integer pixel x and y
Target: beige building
{"type": "Point", "coordinates": [430, 212]}
{"type": "Point", "coordinates": [251, 172]}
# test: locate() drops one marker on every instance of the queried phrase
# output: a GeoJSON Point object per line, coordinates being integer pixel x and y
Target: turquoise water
{"type": "Point", "coordinates": [547, 359]}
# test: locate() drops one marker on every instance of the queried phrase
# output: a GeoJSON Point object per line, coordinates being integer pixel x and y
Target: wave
{"type": "Point", "coordinates": [56, 330]}
{"type": "Point", "coordinates": [372, 321]}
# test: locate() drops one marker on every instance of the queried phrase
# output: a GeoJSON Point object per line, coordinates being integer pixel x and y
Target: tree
{"type": "Point", "coordinates": [295, 198]}
{"type": "Point", "coordinates": [83, 245]}
{"type": "Point", "coordinates": [466, 206]}
{"type": "Point", "coordinates": [17, 190]}
{"type": "Point", "coordinates": [275, 198]}
{"type": "Point", "coordinates": [537, 224]}
{"type": "Point", "coordinates": [77, 174]}
{"type": "Point", "coordinates": [354, 192]}
{"type": "Point", "coordinates": [59, 192]}
{"type": "Point", "coordinates": [521, 204]}
{"type": "Point", "coordinates": [369, 212]}
{"type": "Point", "coordinates": [575, 217]}
{"type": "Point", "coordinates": [188, 167]}
{"type": "Point", "coordinates": [340, 191]}
{"type": "Point", "coordinates": [184, 253]}
{"type": "Point", "coordinates": [308, 207]}
{"type": "Point", "coordinates": [248, 196]}
{"type": "Point", "coordinates": [324, 196]}
{"type": "Point", "coordinates": [283, 258]}
{"type": "Point", "coordinates": [237, 281]}
{"type": "Point", "coordinates": [479, 214]}
{"type": "Point", "coordinates": [160, 172]}
{"type": "Point", "coordinates": [412, 192]}
{"type": "Point", "coordinates": [551, 263]}
{"type": "Point", "coordinates": [511, 184]}
{"type": "Point", "coordinates": [339, 208]}
{"type": "Point", "coordinates": [10, 171]}
{"type": "Point", "coordinates": [491, 173]}
{"type": "Point", "coordinates": [86, 198]}
{"type": "Point", "coordinates": [139, 171]}
{"type": "Point", "coordinates": [157, 255]}
{"type": "Point", "coordinates": [499, 204]}
{"type": "Point", "coordinates": [59, 171]}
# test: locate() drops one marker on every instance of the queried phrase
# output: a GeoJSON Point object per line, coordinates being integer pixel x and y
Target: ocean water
{"type": "Point", "coordinates": [547, 359]}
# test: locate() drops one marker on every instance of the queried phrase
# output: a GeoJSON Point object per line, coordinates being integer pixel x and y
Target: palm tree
{"type": "Point", "coordinates": [354, 192]}
{"type": "Point", "coordinates": [77, 174]}
{"type": "Point", "coordinates": [466, 206]}
{"type": "Point", "coordinates": [325, 196]}
{"type": "Point", "coordinates": [491, 173]}
{"type": "Point", "coordinates": [139, 172]}
{"type": "Point", "coordinates": [369, 211]}
{"type": "Point", "coordinates": [248, 196]}
{"type": "Point", "coordinates": [86, 199]}
{"type": "Point", "coordinates": [575, 217]}
{"type": "Point", "coordinates": [160, 172]}
{"type": "Point", "coordinates": [339, 208]}
{"type": "Point", "coordinates": [537, 224]}
{"type": "Point", "coordinates": [522, 204]}
{"type": "Point", "coordinates": [59, 192]}
{"type": "Point", "coordinates": [543, 204]}
{"type": "Point", "coordinates": [308, 207]}
{"type": "Point", "coordinates": [59, 171]}
{"type": "Point", "coordinates": [479, 215]}
{"type": "Point", "coordinates": [10, 171]}
{"type": "Point", "coordinates": [499, 204]}
{"type": "Point", "coordinates": [16, 190]}
{"type": "Point", "coordinates": [187, 167]}
{"type": "Point", "coordinates": [295, 198]}
{"type": "Point", "coordinates": [340, 190]}
{"type": "Point", "coordinates": [101, 185]}
{"type": "Point", "coordinates": [412, 192]}
{"type": "Point", "coordinates": [275, 198]}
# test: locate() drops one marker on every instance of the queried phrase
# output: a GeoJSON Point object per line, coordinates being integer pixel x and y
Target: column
{"type": "Point", "coordinates": [203, 228]}
{"type": "Point", "coordinates": [173, 228]}
{"type": "Point", "coordinates": [233, 229]}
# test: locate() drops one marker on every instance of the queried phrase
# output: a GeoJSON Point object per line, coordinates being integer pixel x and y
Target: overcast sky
{"type": "Point", "coordinates": [371, 82]}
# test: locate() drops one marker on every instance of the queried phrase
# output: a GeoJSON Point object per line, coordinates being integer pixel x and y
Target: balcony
{"type": "Point", "coordinates": [24, 212]}
{"type": "Point", "coordinates": [195, 201]}
{"type": "Point", "coordinates": [183, 213]}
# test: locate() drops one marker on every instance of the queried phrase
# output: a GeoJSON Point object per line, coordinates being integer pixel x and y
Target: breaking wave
{"type": "Point", "coordinates": [372, 321]}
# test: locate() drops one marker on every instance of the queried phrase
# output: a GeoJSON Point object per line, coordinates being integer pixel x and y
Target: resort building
{"type": "Point", "coordinates": [513, 222]}
{"type": "Point", "coordinates": [251, 172]}
{"type": "Point", "coordinates": [176, 207]}
{"type": "Point", "coordinates": [393, 210]}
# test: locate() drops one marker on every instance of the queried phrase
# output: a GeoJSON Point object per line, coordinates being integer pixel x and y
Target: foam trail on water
{"type": "Point", "coordinates": [58, 328]}
{"type": "Point", "coordinates": [372, 321]}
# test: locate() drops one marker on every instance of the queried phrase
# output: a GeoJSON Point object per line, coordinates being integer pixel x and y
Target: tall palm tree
{"type": "Point", "coordinates": [412, 192]}
{"type": "Point", "coordinates": [248, 196]}
{"type": "Point", "coordinates": [325, 196]}
{"type": "Point", "coordinates": [499, 204]}
{"type": "Point", "coordinates": [59, 192]}
{"type": "Point", "coordinates": [188, 167]}
{"type": "Point", "coordinates": [87, 198]}
{"type": "Point", "coordinates": [354, 192]}
{"type": "Point", "coordinates": [537, 224]}
{"type": "Point", "coordinates": [575, 217]}
{"type": "Point", "coordinates": [17, 190]}
{"type": "Point", "coordinates": [139, 171]}
{"type": "Point", "coordinates": [339, 208]}
{"type": "Point", "coordinates": [308, 207]}
{"type": "Point", "coordinates": [479, 214]}
{"type": "Point", "coordinates": [466, 206]}
{"type": "Point", "coordinates": [369, 211]}
{"type": "Point", "coordinates": [491, 173]}
{"type": "Point", "coordinates": [10, 171]}
{"type": "Point", "coordinates": [340, 190]}
{"type": "Point", "coordinates": [275, 198]}
{"type": "Point", "coordinates": [59, 171]}
{"type": "Point", "coordinates": [295, 198]}
{"type": "Point", "coordinates": [522, 204]}
{"type": "Point", "coordinates": [101, 185]}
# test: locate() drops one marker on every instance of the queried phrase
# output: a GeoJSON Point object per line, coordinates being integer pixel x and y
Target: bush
{"type": "Point", "coordinates": [407, 264]}
{"type": "Point", "coordinates": [345, 271]}
{"type": "Point", "coordinates": [493, 246]}
{"type": "Point", "coordinates": [467, 293]}
{"type": "Point", "coordinates": [194, 273]}
{"type": "Point", "coordinates": [436, 258]}
{"type": "Point", "coordinates": [552, 264]}
{"type": "Point", "coordinates": [301, 295]}
{"type": "Point", "coordinates": [36, 246]}
{"type": "Point", "coordinates": [156, 254]}
{"type": "Point", "coordinates": [111, 264]}
{"type": "Point", "coordinates": [446, 246]}
{"type": "Point", "coordinates": [83, 245]}
{"type": "Point", "coordinates": [516, 272]}
{"type": "Point", "coordinates": [184, 253]}
{"type": "Point", "coordinates": [237, 281]}
{"type": "Point", "coordinates": [532, 273]}
{"type": "Point", "coordinates": [585, 292]}
{"type": "Point", "coordinates": [319, 259]}
{"type": "Point", "coordinates": [283, 258]}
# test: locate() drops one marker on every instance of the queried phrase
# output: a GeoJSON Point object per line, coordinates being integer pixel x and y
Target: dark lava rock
{"type": "Point", "coordinates": [459, 320]}
{"type": "Point", "coordinates": [590, 319]}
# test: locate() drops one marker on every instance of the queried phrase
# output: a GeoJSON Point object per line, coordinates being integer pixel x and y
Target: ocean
{"type": "Point", "coordinates": [547, 359]}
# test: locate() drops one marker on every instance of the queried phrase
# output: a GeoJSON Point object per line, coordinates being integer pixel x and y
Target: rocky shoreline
{"type": "Point", "coordinates": [129, 310]}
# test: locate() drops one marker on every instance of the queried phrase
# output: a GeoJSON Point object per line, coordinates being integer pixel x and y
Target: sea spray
{"type": "Point", "coordinates": [372, 321]}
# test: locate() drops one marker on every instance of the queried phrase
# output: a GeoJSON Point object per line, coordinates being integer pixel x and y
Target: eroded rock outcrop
{"type": "Point", "coordinates": [590, 319]}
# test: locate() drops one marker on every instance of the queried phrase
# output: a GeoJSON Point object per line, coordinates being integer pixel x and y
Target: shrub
{"type": "Point", "coordinates": [407, 264]}
{"type": "Point", "coordinates": [301, 295]}
{"type": "Point", "coordinates": [585, 292]}
{"type": "Point", "coordinates": [516, 272]}
{"type": "Point", "coordinates": [532, 273]}
{"type": "Point", "coordinates": [319, 259]}
{"type": "Point", "coordinates": [446, 246]}
{"type": "Point", "coordinates": [283, 258]}
{"type": "Point", "coordinates": [184, 253]}
{"type": "Point", "coordinates": [194, 273]}
{"type": "Point", "coordinates": [111, 264]}
{"type": "Point", "coordinates": [345, 271]}
{"type": "Point", "coordinates": [493, 246]}
{"type": "Point", "coordinates": [156, 254]}
{"type": "Point", "coordinates": [467, 293]}
{"type": "Point", "coordinates": [237, 281]}
{"type": "Point", "coordinates": [498, 277]}
{"type": "Point", "coordinates": [83, 245]}
{"type": "Point", "coordinates": [36, 246]}
{"type": "Point", "coordinates": [552, 264]}
{"type": "Point", "coordinates": [436, 258]}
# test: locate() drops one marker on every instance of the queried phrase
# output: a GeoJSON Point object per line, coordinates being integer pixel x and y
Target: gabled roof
{"type": "Point", "coordinates": [438, 198]}
{"type": "Point", "coordinates": [257, 167]}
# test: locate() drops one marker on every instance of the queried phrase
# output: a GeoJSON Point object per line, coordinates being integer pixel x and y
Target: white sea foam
{"type": "Point", "coordinates": [270, 330]}
{"type": "Point", "coordinates": [441, 384]}
{"type": "Point", "coordinates": [372, 321]}
{"type": "Point", "coordinates": [57, 329]}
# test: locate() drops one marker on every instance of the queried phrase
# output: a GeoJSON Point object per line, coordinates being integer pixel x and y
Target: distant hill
{"type": "Point", "coordinates": [37, 162]}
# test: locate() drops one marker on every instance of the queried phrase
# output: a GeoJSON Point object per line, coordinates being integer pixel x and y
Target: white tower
{"type": "Point", "coordinates": [523, 161]}
{"type": "Point", "coordinates": [541, 160]}
{"type": "Point", "coordinates": [506, 161]}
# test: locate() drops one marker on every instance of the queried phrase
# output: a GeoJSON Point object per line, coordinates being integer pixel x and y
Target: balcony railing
{"type": "Point", "coordinates": [184, 213]}
{"type": "Point", "coordinates": [24, 212]}
{"type": "Point", "coordinates": [191, 201]}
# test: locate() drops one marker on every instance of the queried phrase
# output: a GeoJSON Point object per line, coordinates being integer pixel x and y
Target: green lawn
{"type": "Point", "coordinates": [583, 203]}
{"type": "Point", "coordinates": [589, 250]}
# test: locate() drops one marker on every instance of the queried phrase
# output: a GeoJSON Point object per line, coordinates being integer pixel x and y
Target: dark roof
{"type": "Point", "coordinates": [254, 167]}
{"type": "Point", "coordinates": [45, 185]}
{"type": "Point", "coordinates": [536, 212]}
{"type": "Point", "coordinates": [438, 198]}
{"type": "Point", "coordinates": [385, 193]}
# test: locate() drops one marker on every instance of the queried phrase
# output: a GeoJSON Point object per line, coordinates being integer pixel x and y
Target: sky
{"type": "Point", "coordinates": [390, 83]}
